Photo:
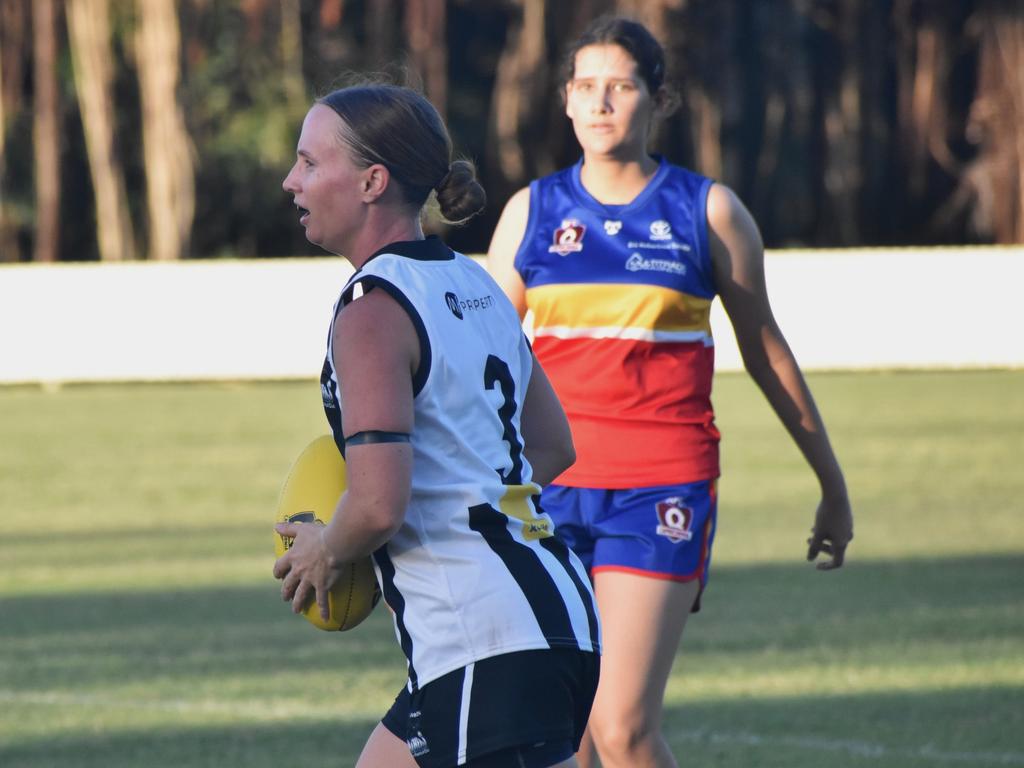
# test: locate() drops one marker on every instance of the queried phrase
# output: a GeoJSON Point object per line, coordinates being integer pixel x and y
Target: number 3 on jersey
{"type": "Point", "coordinates": [516, 502]}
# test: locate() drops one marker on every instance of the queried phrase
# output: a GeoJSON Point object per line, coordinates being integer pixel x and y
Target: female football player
{"type": "Point", "coordinates": [448, 424]}
{"type": "Point", "coordinates": [619, 258]}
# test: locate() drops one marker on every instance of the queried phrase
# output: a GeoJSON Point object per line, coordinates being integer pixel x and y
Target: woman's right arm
{"type": "Point", "coordinates": [546, 436]}
{"type": "Point", "coordinates": [547, 440]}
{"type": "Point", "coordinates": [504, 245]}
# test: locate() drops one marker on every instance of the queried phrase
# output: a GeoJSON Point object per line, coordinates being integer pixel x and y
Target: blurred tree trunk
{"type": "Point", "coordinates": [89, 34]}
{"type": "Point", "coordinates": [331, 13]}
{"type": "Point", "coordinates": [46, 130]}
{"type": "Point", "coordinates": [291, 53]}
{"type": "Point", "coordinates": [653, 14]}
{"type": "Point", "coordinates": [383, 35]}
{"type": "Point", "coordinates": [518, 95]}
{"type": "Point", "coordinates": [425, 23]}
{"type": "Point", "coordinates": [8, 246]}
{"type": "Point", "coordinates": [843, 125]}
{"type": "Point", "coordinates": [5, 255]}
{"type": "Point", "coordinates": [929, 34]}
{"type": "Point", "coordinates": [13, 50]}
{"type": "Point", "coordinates": [170, 175]}
{"type": "Point", "coordinates": [996, 123]}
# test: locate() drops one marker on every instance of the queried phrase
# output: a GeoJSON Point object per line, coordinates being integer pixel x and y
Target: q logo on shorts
{"type": "Point", "coordinates": [674, 519]}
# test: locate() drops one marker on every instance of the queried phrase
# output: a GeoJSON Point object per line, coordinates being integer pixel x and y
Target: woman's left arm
{"type": "Point", "coordinates": [376, 352]}
{"type": "Point", "coordinates": [737, 254]}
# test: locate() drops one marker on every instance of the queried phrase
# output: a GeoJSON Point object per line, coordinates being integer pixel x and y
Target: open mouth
{"type": "Point", "coordinates": [303, 214]}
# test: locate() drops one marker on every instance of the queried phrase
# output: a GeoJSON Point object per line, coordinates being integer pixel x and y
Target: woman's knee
{"type": "Point", "coordinates": [629, 735]}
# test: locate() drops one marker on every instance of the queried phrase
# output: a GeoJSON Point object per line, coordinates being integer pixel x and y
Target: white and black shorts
{"type": "Point", "coordinates": [518, 710]}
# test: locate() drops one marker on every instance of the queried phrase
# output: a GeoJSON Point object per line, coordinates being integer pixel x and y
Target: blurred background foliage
{"type": "Point", "coordinates": [136, 129]}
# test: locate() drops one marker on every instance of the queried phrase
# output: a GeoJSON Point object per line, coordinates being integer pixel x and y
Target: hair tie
{"type": "Point", "coordinates": [444, 180]}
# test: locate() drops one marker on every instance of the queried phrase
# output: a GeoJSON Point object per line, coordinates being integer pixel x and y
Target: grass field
{"type": "Point", "coordinates": [140, 626]}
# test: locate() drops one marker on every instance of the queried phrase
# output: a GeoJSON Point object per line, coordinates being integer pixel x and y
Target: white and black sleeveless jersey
{"type": "Point", "coordinates": [475, 570]}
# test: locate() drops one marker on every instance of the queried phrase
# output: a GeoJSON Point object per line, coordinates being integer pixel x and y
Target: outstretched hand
{"type": "Point", "coordinates": [832, 532]}
{"type": "Point", "coordinates": [305, 570]}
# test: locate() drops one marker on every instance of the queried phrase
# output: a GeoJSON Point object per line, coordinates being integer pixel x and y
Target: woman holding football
{"type": "Point", "coordinates": [619, 258]}
{"type": "Point", "coordinates": [447, 424]}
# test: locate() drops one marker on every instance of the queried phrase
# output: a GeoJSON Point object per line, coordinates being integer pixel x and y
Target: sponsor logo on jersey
{"type": "Point", "coordinates": [638, 263]}
{"type": "Point", "coordinates": [661, 230]}
{"type": "Point", "coordinates": [460, 306]}
{"type": "Point", "coordinates": [516, 503]}
{"type": "Point", "coordinates": [453, 304]}
{"type": "Point", "coordinates": [612, 227]}
{"type": "Point", "coordinates": [671, 245]}
{"type": "Point", "coordinates": [674, 519]}
{"type": "Point", "coordinates": [568, 238]}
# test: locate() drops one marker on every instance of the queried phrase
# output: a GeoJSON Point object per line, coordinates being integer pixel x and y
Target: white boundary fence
{"type": "Point", "coordinates": [268, 319]}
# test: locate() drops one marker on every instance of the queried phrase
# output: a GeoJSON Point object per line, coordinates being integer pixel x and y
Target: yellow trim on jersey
{"type": "Point", "coordinates": [619, 310]}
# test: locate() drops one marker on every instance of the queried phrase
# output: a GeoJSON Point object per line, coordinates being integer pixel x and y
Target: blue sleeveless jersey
{"type": "Point", "coordinates": [621, 298]}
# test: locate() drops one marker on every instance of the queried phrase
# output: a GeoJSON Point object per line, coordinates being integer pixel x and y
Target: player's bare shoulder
{"type": "Point", "coordinates": [508, 236]}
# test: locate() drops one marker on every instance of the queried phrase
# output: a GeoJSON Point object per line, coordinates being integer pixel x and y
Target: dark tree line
{"type": "Point", "coordinates": [160, 129]}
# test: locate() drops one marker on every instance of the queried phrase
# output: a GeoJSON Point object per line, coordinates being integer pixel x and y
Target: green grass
{"type": "Point", "coordinates": [139, 624]}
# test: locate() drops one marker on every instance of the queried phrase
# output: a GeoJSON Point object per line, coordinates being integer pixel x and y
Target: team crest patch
{"type": "Point", "coordinates": [417, 742]}
{"type": "Point", "coordinates": [568, 238]}
{"type": "Point", "coordinates": [674, 520]}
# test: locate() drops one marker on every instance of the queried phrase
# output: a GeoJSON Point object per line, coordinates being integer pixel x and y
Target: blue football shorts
{"type": "Point", "coordinates": [661, 532]}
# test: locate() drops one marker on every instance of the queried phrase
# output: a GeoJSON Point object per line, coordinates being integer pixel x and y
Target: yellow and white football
{"type": "Point", "coordinates": [310, 494]}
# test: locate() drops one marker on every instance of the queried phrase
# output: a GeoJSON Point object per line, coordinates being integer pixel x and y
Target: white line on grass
{"type": "Point", "coordinates": [858, 748]}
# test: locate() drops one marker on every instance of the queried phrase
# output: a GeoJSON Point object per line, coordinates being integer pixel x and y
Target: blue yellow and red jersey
{"type": "Point", "coordinates": [621, 298]}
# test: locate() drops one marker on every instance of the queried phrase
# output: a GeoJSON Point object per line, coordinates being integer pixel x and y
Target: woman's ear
{"type": "Point", "coordinates": [665, 102]}
{"type": "Point", "coordinates": [566, 87]}
{"type": "Point", "coordinates": [374, 182]}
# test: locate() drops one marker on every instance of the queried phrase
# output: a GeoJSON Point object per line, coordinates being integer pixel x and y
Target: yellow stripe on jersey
{"type": "Point", "coordinates": [619, 310]}
{"type": "Point", "coordinates": [517, 503]}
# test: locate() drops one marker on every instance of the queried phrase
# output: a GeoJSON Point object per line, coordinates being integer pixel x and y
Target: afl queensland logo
{"type": "Point", "coordinates": [661, 230]}
{"type": "Point", "coordinates": [568, 238]}
{"type": "Point", "coordinates": [453, 304]}
{"type": "Point", "coordinates": [674, 520]}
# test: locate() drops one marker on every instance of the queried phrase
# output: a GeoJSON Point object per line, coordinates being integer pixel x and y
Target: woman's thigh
{"type": "Point", "coordinates": [642, 622]}
{"type": "Point", "coordinates": [385, 750]}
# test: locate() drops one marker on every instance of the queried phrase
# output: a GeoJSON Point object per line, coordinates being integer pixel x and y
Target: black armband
{"type": "Point", "coordinates": [376, 436]}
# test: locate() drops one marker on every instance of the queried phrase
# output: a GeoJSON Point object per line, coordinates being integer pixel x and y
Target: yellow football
{"type": "Point", "coordinates": [310, 494]}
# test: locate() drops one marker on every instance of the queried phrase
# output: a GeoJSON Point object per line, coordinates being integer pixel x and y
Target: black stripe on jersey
{"type": "Point", "coordinates": [529, 572]}
{"type": "Point", "coordinates": [419, 379]}
{"type": "Point", "coordinates": [396, 602]}
{"type": "Point", "coordinates": [557, 547]}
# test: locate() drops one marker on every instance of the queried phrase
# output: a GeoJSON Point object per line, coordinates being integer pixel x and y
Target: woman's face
{"type": "Point", "coordinates": [608, 102]}
{"type": "Point", "coordinates": [325, 184]}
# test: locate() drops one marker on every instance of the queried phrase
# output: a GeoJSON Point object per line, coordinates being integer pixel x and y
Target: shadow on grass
{"type": "Point", "coordinates": [232, 632]}
{"type": "Point", "coordinates": [867, 603]}
{"type": "Point", "coordinates": [133, 637]}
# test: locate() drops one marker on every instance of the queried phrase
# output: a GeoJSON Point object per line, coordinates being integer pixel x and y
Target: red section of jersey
{"type": "Point", "coordinates": [640, 411]}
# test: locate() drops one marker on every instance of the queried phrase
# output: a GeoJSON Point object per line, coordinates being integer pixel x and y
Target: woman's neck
{"type": "Point", "coordinates": [613, 181]}
{"type": "Point", "coordinates": [377, 232]}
